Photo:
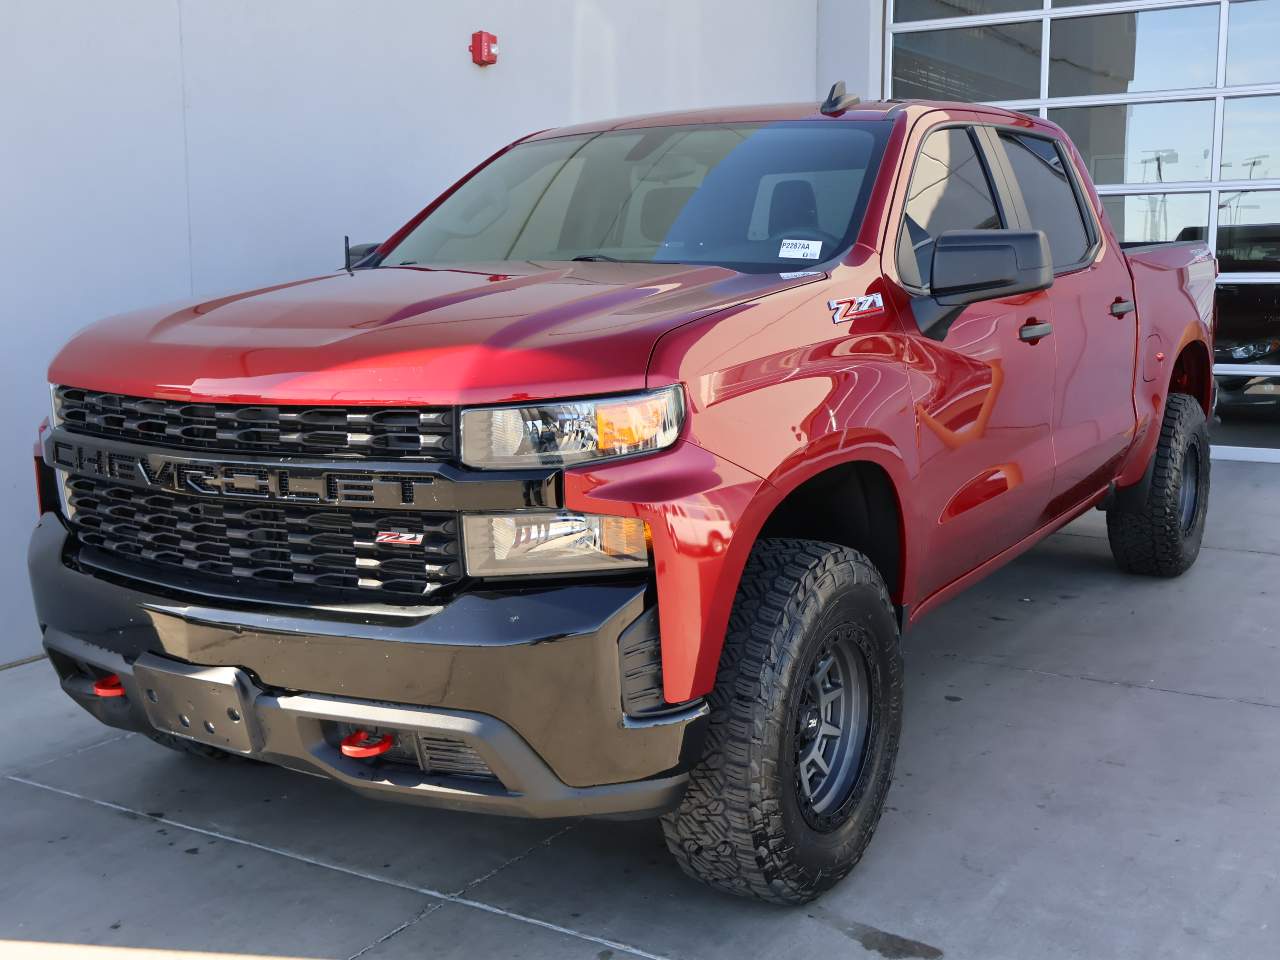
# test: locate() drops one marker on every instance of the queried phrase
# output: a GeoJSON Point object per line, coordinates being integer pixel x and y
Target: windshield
{"type": "Point", "coordinates": [754, 197]}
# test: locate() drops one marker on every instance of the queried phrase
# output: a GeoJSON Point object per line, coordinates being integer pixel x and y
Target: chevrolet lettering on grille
{"type": "Point", "coordinates": [203, 477]}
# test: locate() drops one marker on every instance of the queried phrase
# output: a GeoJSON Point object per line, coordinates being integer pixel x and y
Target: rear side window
{"type": "Point", "coordinates": [1043, 177]}
{"type": "Point", "coordinates": [949, 190]}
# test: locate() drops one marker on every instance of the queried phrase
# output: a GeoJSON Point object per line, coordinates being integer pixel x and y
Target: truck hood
{"type": "Point", "coordinates": [411, 335]}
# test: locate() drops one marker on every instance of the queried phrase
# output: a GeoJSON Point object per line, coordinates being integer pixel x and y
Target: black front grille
{"type": "Point", "coordinates": [365, 432]}
{"type": "Point", "coordinates": [331, 550]}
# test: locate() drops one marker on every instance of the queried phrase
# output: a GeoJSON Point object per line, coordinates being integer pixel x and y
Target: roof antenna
{"type": "Point", "coordinates": [838, 101]}
{"type": "Point", "coordinates": [346, 249]}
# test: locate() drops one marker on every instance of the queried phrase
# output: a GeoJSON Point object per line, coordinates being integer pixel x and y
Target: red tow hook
{"type": "Point", "coordinates": [108, 686]}
{"type": "Point", "coordinates": [361, 745]}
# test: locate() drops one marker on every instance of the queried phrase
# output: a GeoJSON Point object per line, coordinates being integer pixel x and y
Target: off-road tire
{"type": "Point", "coordinates": [740, 826]}
{"type": "Point", "coordinates": [1153, 540]}
{"type": "Point", "coordinates": [183, 745]}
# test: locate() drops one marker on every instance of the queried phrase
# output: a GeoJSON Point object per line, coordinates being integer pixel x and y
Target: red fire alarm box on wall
{"type": "Point", "coordinates": [484, 49]}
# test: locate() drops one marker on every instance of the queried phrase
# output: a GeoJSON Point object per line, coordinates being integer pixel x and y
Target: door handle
{"type": "Point", "coordinates": [1031, 332]}
{"type": "Point", "coordinates": [1121, 307]}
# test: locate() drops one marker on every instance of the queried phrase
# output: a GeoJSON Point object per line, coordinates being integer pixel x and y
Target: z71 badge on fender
{"type": "Point", "coordinates": [851, 308]}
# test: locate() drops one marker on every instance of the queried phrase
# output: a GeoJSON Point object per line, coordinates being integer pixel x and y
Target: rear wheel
{"type": "Point", "coordinates": [1161, 537]}
{"type": "Point", "coordinates": [805, 720]}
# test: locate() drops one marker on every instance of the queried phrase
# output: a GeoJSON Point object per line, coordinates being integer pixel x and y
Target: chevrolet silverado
{"type": "Point", "coordinates": [607, 485]}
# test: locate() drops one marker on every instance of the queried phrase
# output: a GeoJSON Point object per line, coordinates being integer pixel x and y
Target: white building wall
{"type": "Point", "coordinates": [850, 46]}
{"type": "Point", "coordinates": [153, 150]}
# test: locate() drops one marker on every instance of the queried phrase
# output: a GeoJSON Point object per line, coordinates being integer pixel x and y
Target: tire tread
{"type": "Point", "coordinates": [728, 831]}
{"type": "Point", "coordinates": [1150, 541]}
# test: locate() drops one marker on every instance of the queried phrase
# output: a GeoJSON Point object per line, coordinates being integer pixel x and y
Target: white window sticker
{"type": "Point", "coordinates": [801, 249]}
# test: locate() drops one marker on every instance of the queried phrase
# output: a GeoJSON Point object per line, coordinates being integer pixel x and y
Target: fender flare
{"type": "Point", "coordinates": [859, 446]}
{"type": "Point", "coordinates": [1134, 496]}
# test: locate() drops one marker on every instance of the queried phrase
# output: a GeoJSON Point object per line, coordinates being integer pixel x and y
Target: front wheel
{"type": "Point", "coordinates": [805, 720]}
{"type": "Point", "coordinates": [1161, 537]}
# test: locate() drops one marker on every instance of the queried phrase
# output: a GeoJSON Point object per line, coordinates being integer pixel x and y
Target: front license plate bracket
{"type": "Point", "coordinates": [211, 705]}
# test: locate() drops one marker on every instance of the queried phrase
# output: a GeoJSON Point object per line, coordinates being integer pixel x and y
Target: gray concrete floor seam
{"type": "Point", "coordinates": [363, 875]}
{"type": "Point", "coordinates": [532, 849]}
{"type": "Point", "coordinates": [1203, 546]}
{"type": "Point", "coordinates": [422, 914]}
{"type": "Point", "coordinates": [34, 658]}
{"type": "Point", "coordinates": [28, 768]}
{"type": "Point", "coordinates": [1110, 681]}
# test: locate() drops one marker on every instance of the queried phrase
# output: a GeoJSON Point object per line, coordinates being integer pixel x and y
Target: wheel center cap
{"type": "Point", "coordinates": [810, 724]}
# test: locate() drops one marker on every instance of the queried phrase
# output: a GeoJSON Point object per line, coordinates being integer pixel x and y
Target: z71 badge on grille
{"type": "Point", "coordinates": [400, 537]}
{"type": "Point", "coordinates": [851, 308]}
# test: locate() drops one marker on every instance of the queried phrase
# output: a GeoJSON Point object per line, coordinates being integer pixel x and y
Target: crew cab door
{"type": "Point", "coordinates": [982, 390]}
{"type": "Point", "coordinates": [1095, 322]}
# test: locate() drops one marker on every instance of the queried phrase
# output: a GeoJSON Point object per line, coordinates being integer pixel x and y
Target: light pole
{"type": "Point", "coordinates": [1158, 205]}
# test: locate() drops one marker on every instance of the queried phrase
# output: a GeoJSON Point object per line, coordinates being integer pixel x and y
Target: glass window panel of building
{"type": "Point", "coordinates": [1253, 35]}
{"type": "Point", "coordinates": [1248, 333]}
{"type": "Point", "coordinates": [1082, 3]}
{"type": "Point", "coordinates": [905, 11]}
{"type": "Point", "coordinates": [1142, 142]}
{"type": "Point", "coordinates": [1133, 52]}
{"type": "Point", "coordinates": [1158, 217]}
{"type": "Point", "coordinates": [1248, 231]}
{"type": "Point", "coordinates": [999, 62]}
{"type": "Point", "coordinates": [1251, 138]}
{"type": "Point", "coordinates": [1248, 323]}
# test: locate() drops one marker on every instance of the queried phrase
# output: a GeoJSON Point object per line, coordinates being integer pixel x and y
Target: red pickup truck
{"type": "Point", "coordinates": [608, 483]}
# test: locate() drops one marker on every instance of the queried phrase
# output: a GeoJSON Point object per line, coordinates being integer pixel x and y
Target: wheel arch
{"type": "Point", "coordinates": [775, 511]}
{"type": "Point", "coordinates": [854, 504]}
{"type": "Point", "coordinates": [1192, 374]}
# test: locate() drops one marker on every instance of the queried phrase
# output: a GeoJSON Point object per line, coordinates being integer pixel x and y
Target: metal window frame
{"type": "Point", "coordinates": [1219, 94]}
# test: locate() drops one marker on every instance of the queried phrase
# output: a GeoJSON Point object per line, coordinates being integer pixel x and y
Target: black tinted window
{"type": "Point", "coordinates": [1046, 187]}
{"type": "Point", "coordinates": [949, 191]}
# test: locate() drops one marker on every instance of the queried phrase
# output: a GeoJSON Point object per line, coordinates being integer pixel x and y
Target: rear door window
{"type": "Point", "coordinates": [1041, 170]}
{"type": "Point", "coordinates": [949, 190]}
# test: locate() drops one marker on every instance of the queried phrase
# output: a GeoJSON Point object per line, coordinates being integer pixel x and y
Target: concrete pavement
{"type": "Point", "coordinates": [1090, 768]}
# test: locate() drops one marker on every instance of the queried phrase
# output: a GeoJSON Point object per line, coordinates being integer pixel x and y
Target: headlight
{"type": "Point", "coordinates": [519, 544]}
{"type": "Point", "coordinates": [557, 434]}
{"type": "Point", "coordinates": [1253, 351]}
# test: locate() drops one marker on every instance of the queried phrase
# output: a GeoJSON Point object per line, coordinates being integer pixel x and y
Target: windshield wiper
{"type": "Point", "coordinates": [586, 257]}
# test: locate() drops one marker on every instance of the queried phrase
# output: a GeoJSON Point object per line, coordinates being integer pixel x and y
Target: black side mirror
{"type": "Point", "coordinates": [358, 255]}
{"type": "Point", "coordinates": [974, 265]}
